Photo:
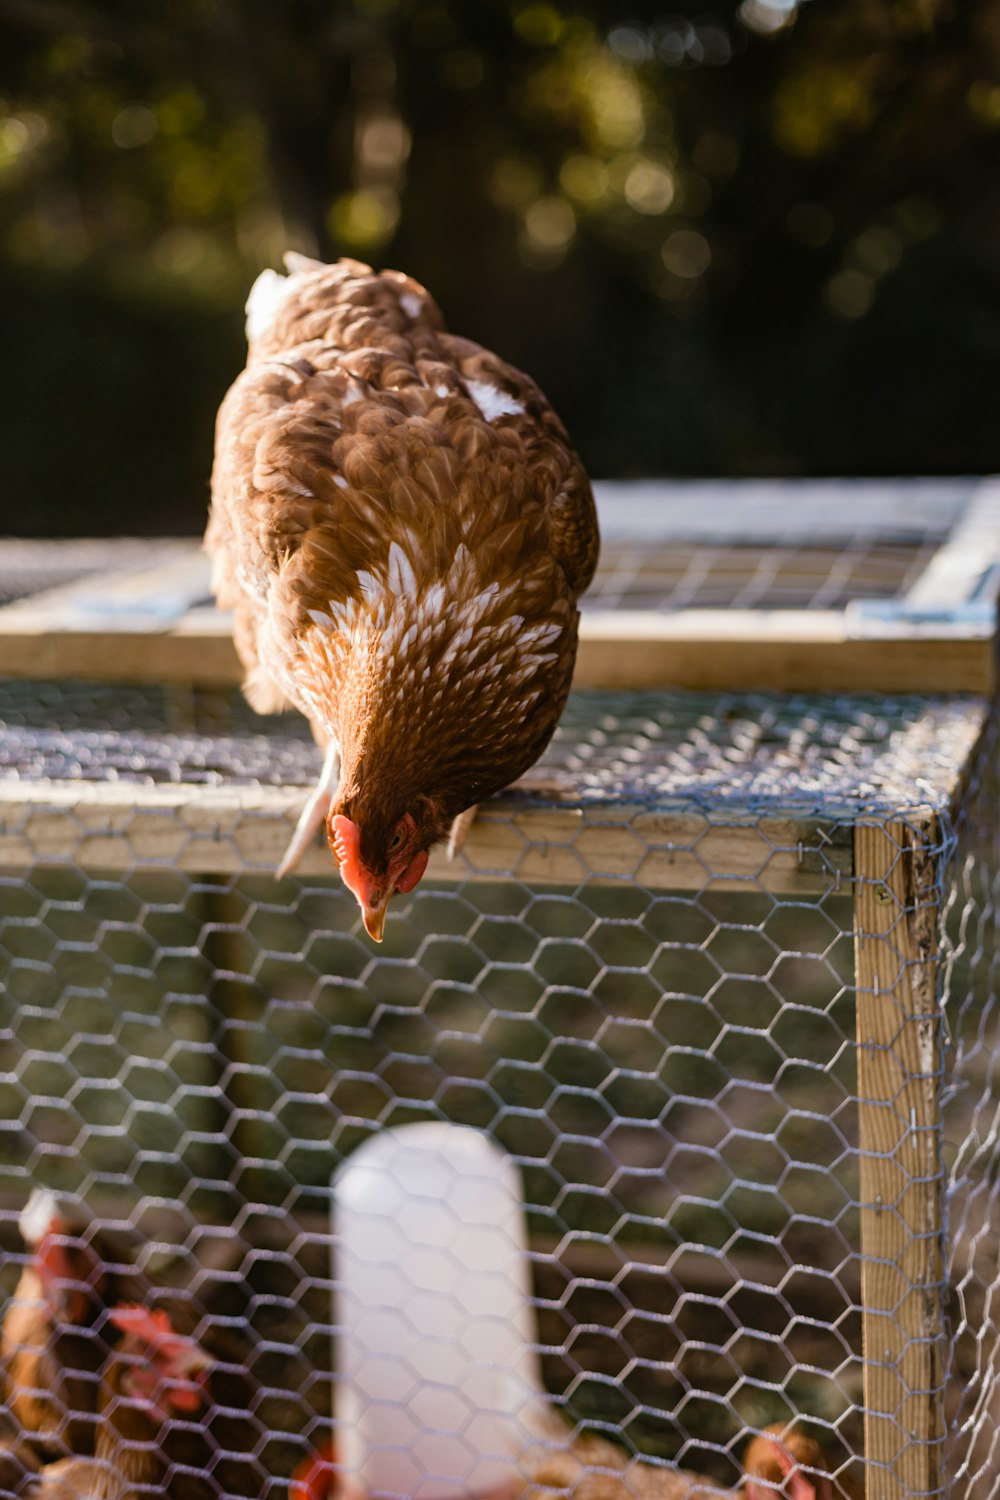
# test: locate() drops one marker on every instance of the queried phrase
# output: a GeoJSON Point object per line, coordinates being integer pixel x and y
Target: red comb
{"type": "Point", "coordinates": [51, 1254]}
{"type": "Point", "coordinates": [151, 1325]}
{"type": "Point", "coordinates": [345, 837]}
{"type": "Point", "coordinates": [345, 841]}
{"type": "Point", "coordinates": [315, 1477]}
{"type": "Point", "coordinates": [66, 1271]}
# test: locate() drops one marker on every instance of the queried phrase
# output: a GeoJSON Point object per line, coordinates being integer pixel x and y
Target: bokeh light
{"type": "Point", "coordinates": [717, 202]}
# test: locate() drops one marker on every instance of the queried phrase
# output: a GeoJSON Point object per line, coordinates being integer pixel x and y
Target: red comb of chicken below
{"type": "Point", "coordinates": [402, 531]}
{"type": "Point", "coordinates": [187, 1396]}
{"type": "Point", "coordinates": [315, 1478]}
{"type": "Point", "coordinates": [153, 1326]}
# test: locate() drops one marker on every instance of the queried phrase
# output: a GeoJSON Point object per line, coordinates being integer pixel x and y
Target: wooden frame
{"type": "Point", "coordinates": [897, 868]}
{"type": "Point", "coordinates": [152, 621]}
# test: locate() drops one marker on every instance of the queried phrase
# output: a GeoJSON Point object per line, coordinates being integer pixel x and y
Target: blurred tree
{"type": "Point", "coordinates": [729, 238]}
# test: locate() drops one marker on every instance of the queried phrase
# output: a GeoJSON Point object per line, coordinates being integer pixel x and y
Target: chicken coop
{"type": "Point", "coordinates": [718, 977]}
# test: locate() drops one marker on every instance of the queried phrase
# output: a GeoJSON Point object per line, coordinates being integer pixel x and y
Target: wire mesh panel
{"type": "Point", "coordinates": [839, 586]}
{"type": "Point", "coordinates": [642, 979]}
{"type": "Point", "coordinates": [970, 1097]}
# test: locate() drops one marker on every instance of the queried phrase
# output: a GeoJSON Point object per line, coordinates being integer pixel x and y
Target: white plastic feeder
{"type": "Point", "coordinates": [438, 1390]}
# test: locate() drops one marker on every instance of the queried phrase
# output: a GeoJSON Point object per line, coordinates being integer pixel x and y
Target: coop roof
{"type": "Point", "coordinates": [670, 789]}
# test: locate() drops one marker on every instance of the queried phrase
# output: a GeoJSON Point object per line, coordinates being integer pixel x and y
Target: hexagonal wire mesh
{"type": "Point", "coordinates": [638, 979]}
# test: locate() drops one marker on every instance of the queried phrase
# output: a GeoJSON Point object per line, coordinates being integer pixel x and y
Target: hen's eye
{"type": "Point", "coordinates": [396, 840]}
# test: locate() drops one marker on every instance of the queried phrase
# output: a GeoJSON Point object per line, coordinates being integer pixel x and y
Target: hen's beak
{"type": "Point", "coordinates": [374, 918]}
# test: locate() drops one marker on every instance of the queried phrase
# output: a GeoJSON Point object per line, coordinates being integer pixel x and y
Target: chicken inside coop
{"type": "Point", "coordinates": [402, 530]}
{"type": "Point", "coordinates": [114, 1382]}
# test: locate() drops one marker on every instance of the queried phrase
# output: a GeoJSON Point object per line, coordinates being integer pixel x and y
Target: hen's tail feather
{"type": "Point", "coordinates": [266, 296]}
{"type": "Point", "coordinates": [298, 264]}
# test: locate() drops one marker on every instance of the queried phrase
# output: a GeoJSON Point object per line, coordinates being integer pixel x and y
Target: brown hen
{"type": "Point", "coordinates": [402, 530]}
{"type": "Point", "coordinates": [63, 1326]}
{"type": "Point", "coordinates": [154, 1383]}
{"type": "Point", "coordinates": [55, 1334]}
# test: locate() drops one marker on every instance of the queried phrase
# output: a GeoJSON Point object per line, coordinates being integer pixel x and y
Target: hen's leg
{"type": "Point", "coordinates": [314, 813]}
{"type": "Point", "coordinates": [460, 828]}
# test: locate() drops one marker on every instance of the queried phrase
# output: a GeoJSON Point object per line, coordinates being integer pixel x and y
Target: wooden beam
{"type": "Point", "coordinates": [897, 866]}
{"type": "Point", "coordinates": [627, 650]}
{"type": "Point", "coordinates": [774, 650]}
{"type": "Point", "coordinates": [204, 655]}
{"type": "Point", "coordinates": [231, 830]}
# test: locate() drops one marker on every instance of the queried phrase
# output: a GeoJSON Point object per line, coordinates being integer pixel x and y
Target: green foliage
{"type": "Point", "coordinates": [727, 239]}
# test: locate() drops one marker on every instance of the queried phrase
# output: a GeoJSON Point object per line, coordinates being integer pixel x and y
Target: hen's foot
{"type": "Point", "coordinates": [460, 830]}
{"type": "Point", "coordinates": [315, 812]}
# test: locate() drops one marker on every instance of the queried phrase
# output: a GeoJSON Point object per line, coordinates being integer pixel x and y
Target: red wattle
{"type": "Point", "coordinates": [413, 872]}
{"type": "Point", "coordinates": [189, 1397]}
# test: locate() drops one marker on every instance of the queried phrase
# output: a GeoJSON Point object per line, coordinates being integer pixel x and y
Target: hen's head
{"type": "Point", "coordinates": [379, 856]}
{"type": "Point", "coordinates": [71, 1272]}
{"type": "Point", "coordinates": [163, 1372]}
{"type": "Point", "coordinates": [778, 1457]}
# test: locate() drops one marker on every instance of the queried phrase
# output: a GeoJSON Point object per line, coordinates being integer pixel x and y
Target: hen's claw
{"type": "Point", "coordinates": [315, 812]}
{"type": "Point", "coordinates": [460, 830]}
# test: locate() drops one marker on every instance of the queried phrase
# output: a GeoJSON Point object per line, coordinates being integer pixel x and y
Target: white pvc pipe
{"type": "Point", "coordinates": [438, 1390]}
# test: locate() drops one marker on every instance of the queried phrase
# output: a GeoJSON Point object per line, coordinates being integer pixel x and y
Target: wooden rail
{"type": "Point", "coordinates": [229, 830]}
{"type": "Point", "coordinates": [154, 621]}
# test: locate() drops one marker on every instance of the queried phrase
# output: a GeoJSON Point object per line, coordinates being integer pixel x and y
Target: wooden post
{"type": "Point", "coordinates": [898, 1026]}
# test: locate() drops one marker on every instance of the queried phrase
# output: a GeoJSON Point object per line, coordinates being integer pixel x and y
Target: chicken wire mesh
{"type": "Point", "coordinates": [798, 576]}
{"type": "Point", "coordinates": [639, 980]}
{"type": "Point", "coordinates": [814, 544]}
{"type": "Point", "coordinates": [820, 544]}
